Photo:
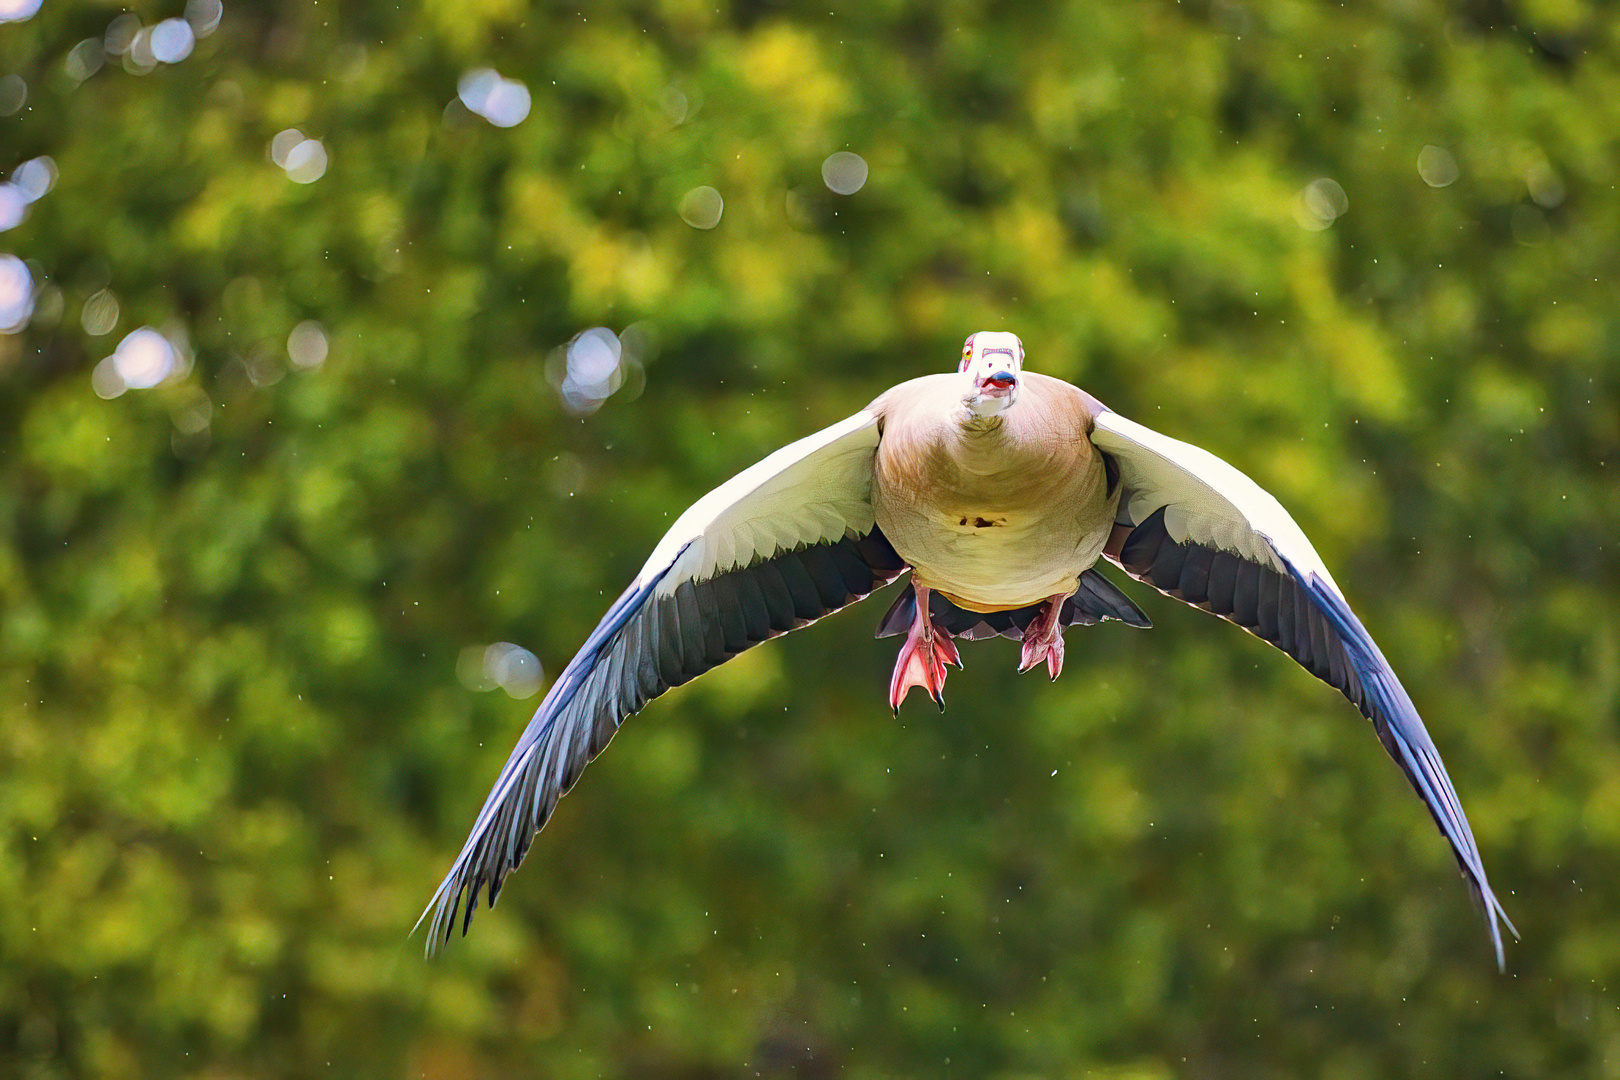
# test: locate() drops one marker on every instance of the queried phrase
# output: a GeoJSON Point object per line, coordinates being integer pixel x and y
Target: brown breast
{"type": "Point", "coordinates": [996, 513]}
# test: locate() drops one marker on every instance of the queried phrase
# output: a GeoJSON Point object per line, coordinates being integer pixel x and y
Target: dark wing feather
{"type": "Point", "coordinates": [776, 547]}
{"type": "Point", "coordinates": [1095, 600]}
{"type": "Point", "coordinates": [624, 664]}
{"type": "Point", "coordinates": [1195, 574]}
{"type": "Point", "coordinates": [1202, 532]}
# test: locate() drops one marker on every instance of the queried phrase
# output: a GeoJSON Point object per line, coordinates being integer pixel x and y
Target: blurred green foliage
{"type": "Point", "coordinates": [235, 757]}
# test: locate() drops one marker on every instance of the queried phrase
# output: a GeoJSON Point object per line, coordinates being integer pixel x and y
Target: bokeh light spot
{"type": "Point", "coordinates": [473, 88]}
{"type": "Point", "coordinates": [263, 368]}
{"type": "Point", "coordinates": [143, 359]}
{"type": "Point", "coordinates": [139, 59]}
{"type": "Point", "coordinates": [592, 370]}
{"type": "Point", "coordinates": [307, 345]}
{"type": "Point", "coordinates": [16, 294]}
{"type": "Point", "coordinates": [1529, 225]}
{"type": "Point", "coordinates": [13, 94]}
{"type": "Point", "coordinates": [306, 162]}
{"type": "Point", "coordinates": [193, 414]}
{"type": "Point", "coordinates": [1437, 166]}
{"type": "Point", "coordinates": [702, 207]}
{"type": "Point", "coordinates": [105, 380]}
{"type": "Point", "coordinates": [85, 59]}
{"type": "Point", "coordinates": [121, 33]}
{"type": "Point", "coordinates": [17, 10]}
{"type": "Point", "coordinates": [1320, 203]}
{"type": "Point", "coordinates": [844, 173]}
{"type": "Point", "coordinates": [503, 102]}
{"type": "Point", "coordinates": [675, 104]}
{"type": "Point", "coordinates": [1545, 186]}
{"type": "Point", "coordinates": [13, 206]}
{"type": "Point", "coordinates": [503, 664]}
{"type": "Point", "coordinates": [204, 16]}
{"type": "Point", "coordinates": [28, 182]}
{"type": "Point", "coordinates": [283, 142]}
{"type": "Point", "coordinates": [640, 342]}
{"type": "Point", "coordinates": [172, 41]}
{"type": "Point", "coordinates": [470, 669]}
{"type": "Point", "coordinates": [507, 104]}
{"type": "Point", "coordinates": [100, 313]}
{"type": "Point", "coordinates": [514, 669]}
{"type": "Point", "coordinates": [34, 177]}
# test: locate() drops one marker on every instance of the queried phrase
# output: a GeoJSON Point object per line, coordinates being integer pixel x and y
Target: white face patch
{"type": "Point", "coordinates": [992, 363]}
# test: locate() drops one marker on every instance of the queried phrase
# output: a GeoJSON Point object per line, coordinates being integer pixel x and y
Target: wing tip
{"type": "Point", "coordinates": [1413, 750]}
{"type": "Point", "coordinates": [446, 909]}
{"type": "Point", "coordinates": [1496, 917]}
{"type": "Point", "coordinates": [443, 907]}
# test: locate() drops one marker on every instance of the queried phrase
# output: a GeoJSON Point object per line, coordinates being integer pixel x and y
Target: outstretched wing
{"type": "Point", "coordinates": [1199, 530]}
{"type": "Point", "coordinates": [774, 548]}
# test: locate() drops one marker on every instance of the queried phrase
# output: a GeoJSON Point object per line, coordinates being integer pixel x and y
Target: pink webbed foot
{"type": "Point", "coordinates": [1043, 639]}
{"type": "Point", "coordinates": [923, 657]}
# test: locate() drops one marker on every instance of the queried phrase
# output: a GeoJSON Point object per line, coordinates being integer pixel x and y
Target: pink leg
{"type": "Point", "coordinates": [1043, 638]}
{"type": "Point", "coordinates": [923, 657]}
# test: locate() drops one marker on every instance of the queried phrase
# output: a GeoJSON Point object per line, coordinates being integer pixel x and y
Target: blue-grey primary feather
{"type": "Point", "coordinates": [645, 644]}
{"type": "Point", "coordinates": [1309, 620]}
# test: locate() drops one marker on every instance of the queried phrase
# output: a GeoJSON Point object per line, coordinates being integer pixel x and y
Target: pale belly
{"type": "Point", "coordinates": [995, 515]}
{"type": "Point", "coordinates": [998, 558]}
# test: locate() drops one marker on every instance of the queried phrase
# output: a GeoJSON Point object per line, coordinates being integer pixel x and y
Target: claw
{"type": "Point", "coordinates": [1051, 652]}
{"type": "Point", "coordinates": [917, 666]}
{"type": "Point", "coordinates": [1043, 639]}
{"type": "Point", "coordinates": [923, 657]}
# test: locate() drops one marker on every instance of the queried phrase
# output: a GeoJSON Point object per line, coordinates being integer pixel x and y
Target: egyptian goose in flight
{"type": "Point", "coordinates": [998, 489]}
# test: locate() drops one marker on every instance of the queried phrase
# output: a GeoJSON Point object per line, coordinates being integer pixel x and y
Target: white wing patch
{"type": "Point", "coordinates": [811, 491]}
{"type": "Point", "coordinates": [1207, 501]}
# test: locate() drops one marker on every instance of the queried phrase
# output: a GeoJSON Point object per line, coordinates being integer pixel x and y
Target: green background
{"type": "Point", "coordinates": [235, 757]}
